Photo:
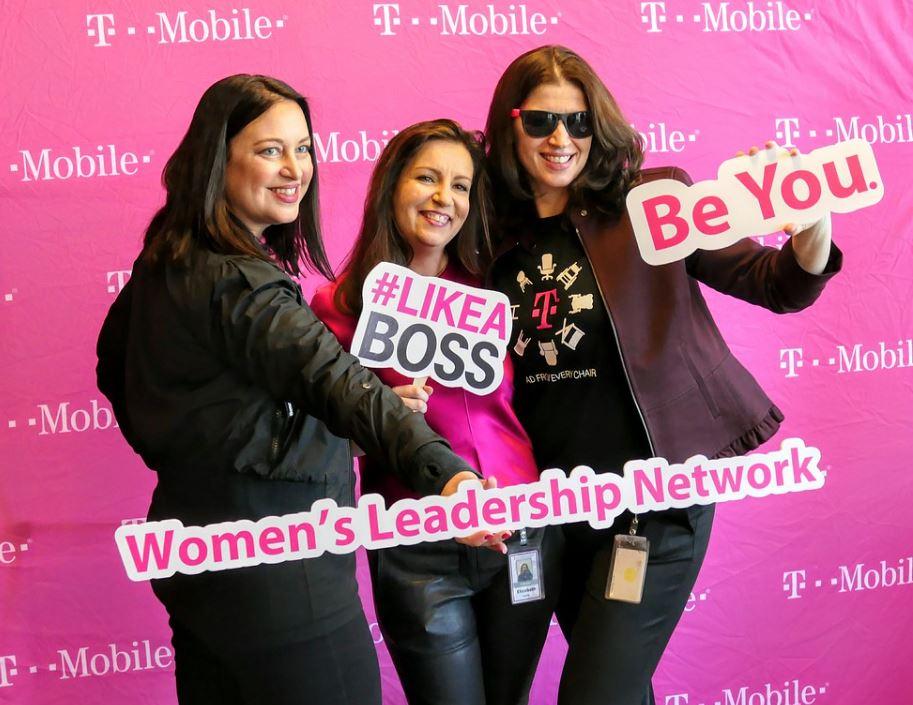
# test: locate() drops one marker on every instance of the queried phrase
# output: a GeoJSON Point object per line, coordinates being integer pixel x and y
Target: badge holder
{"type": "Point", "coordinates": [628, 567]}
{"type": "Point", "coordinates": [524, 570]}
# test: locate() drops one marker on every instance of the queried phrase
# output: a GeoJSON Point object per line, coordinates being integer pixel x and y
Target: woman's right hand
{"type": "Point", "coordinates": [415, 396]}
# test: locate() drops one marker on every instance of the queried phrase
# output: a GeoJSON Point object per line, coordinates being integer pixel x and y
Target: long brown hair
{"type": "Point", "coordinates": [379, 240]}
{"type": "Point", "coordinates": [196, 212]}
{"type": "Point", "coordinates": [615, 155]}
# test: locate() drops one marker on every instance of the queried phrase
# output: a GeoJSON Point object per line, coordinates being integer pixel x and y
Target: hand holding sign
{"type": "Point", "coordinates": [811, 241]}
{"type": "Point", "coordinates": [484, 538]}
{"type": "Point", "coordinates": [753, 194]}
{"type": "Point", "coordinates": [415, 396]}
{"type": "Point", "coordinates": [427, 326]}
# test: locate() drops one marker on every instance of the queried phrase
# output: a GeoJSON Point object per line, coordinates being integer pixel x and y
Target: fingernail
{"type": "Point", "coordinates": [488, 537]}
{"type": "Point", "coordinates": [505, 535]}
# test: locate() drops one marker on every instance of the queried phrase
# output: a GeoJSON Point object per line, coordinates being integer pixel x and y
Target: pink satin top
{"type": "Point", "coordinates": [481, 429]}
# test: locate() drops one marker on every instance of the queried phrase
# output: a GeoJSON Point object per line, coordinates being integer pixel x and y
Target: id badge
{"type": "Point", "coordinates": [628, 568]}
{"type": "Point", "coordinates": [525, 572]}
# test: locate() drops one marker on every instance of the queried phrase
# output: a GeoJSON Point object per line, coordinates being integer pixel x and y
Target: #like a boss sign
{"type": "Point", "coordinates": [431, 327]}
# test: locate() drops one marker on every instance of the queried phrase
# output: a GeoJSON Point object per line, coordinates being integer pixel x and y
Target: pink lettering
{"type": "Point", "coordinates": [497, 321]}
{"type": "Point", "coordinates": [443, 304]}
{"type": "Point", "coordinates": [468, 311]}
{"type": "Point", "coordinates": [562, 493]}
{"type": "Point", "coordinates": [606, 505]}
{"type": "Point", "coordinates": [655, 488]}
{"type": "Point", "coordinates": [465, 514]}
{"type": "Point", "coordinates": [788, 188]}
{"type": "Point", "coordinates": [151, 545]}
{"type": "Point", "coordinates": [374, 525]}
{"type": "Point", "coordinates": [545, 305]}
{"type": "Point", "coordinates": [857, 178]}
{"type": "Point", "coordinates": [762, 192]}
{"type": "Point", "coordinates": [271, 540]}
{"type": "Point", "coordinates": [707, 209]}
{"type": "Point", "coordinates": [407, 523]}
{"type": "Point", "coordinates": [494, 511]}
{"type": "Point", "coordinates": [304, 528]}
{"type": "Point", "coordinates": [678, 486]}
{"type": "Point", "coordinates": [655, 221]}
{"type": "Point", "coordinates": [402, 303]}
{"type": "Point", "coordinates": [199, 546]}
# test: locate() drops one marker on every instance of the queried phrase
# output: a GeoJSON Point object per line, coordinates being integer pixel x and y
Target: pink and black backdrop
{"type": "Point", "coordinates": [803, 598]}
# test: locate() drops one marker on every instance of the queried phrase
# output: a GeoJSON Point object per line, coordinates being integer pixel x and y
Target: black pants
{"type": "Point", "coordinates": [455, 638]}
{"type": "Point", "coordinates": [339, 668]}
{"type": "Point", "coordinates": [614, 647]}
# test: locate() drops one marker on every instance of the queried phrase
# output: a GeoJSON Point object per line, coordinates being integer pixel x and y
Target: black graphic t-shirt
{"type": "Point", "coordinates": [571, 393]}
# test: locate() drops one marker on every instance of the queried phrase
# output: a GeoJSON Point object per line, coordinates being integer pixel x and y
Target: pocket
{"type": "Point", "coordinates": [671, 535]}
{"type": "Point", "coordinates": [700, 382]}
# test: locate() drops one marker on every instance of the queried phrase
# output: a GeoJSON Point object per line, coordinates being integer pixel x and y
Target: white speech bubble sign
{"type": "Point", "coordinates": [432, 327]}
{"type": "Point", "coordinates": [159, 549]}
{"type": "Point", "coordinates": [752, 195]}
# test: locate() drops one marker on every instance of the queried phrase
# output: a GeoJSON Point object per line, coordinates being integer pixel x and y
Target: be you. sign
{"type": "Point", "coordinates": [752, 195]}
{"type": "Point", "coordinates": [431, 327]}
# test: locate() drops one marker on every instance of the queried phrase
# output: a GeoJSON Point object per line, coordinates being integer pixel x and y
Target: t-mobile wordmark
{"type": "Point", "coordinates": [492, 19]}
{"type": "Point", "coordinates": [883, 355]}
{"type": "Point", "coordinates": [725, 17]}
{"type": "Point", "coordinates": [751, 196]}
{"type": "Point", "coordinates": [86, 662]}
{"type": "Point", "coordinates": [185, 27]}
{"type": "Point", "coordinates": [162, 548]}
{"type": "Point", "coordinates": [858, 577]}
{"type": "Point", "coordinates": [427, 326]}
{"type": "Point", "coordinates": [786, 692]}
{"type": "Point", "coordinates": [874, 129]}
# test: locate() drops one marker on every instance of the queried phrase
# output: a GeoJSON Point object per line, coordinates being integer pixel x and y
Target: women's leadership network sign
{"type": "Point", "coordinates": [160, 549]}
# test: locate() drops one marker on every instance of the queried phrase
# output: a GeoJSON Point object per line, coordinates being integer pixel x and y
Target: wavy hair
{"type": "Point", "coordinates": [616, 153]}
{"type": "Point", "coordinates": [379, 240]}
{"type": "Point", "coordinates": [196, 212]}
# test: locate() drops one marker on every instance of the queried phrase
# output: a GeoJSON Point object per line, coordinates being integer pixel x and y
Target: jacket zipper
{"type": "Point", "coordinates": [279, 430]}
{"type": "Point", "coordinates": [621, 354]}
{"type": "Point", "coordinates": [274, 446]}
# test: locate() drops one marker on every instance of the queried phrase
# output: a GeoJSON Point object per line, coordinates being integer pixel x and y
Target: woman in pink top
{"type": "Point", "coordinates": [445, 608]}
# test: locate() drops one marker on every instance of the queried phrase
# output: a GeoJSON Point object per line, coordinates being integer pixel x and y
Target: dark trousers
{"type": "Point", "coordinates": [614, 647]}
{"type": "Point", "coordinates": [455, 638]}
{"type": "Point", "coordinates": [339, 668]}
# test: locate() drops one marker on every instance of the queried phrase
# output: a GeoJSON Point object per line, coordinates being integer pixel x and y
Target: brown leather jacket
{"type": "Point", "coordinates": [692, 394]}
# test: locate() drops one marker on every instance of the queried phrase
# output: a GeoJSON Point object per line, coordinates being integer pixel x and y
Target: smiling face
{"type": "Point", "coordinates": [431, 199]}
{"type": "Point", "coordinates": [269, 168]}
{"type": "Point", "coordinates": [553, 162]}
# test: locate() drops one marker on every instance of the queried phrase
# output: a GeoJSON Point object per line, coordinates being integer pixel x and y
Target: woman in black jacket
{"type": "Point", "coordinates": [240, 399]}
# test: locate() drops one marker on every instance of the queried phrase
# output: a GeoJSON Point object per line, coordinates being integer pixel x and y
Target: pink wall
{"type": "Point", "coordinates": [808, 593]}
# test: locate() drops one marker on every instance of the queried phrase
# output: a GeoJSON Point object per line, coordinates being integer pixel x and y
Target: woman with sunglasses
{"type": "Point", "coordinates": [240, 399]}
{"type": "Point", "coordinates": [616, 359]}
{"type": "Point", "coordinates": [444, 609]}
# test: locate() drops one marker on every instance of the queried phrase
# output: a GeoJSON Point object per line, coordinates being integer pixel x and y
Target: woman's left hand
{"type": "Point", "coordinates": [484, 538]}
{"type": "Point", "coordinates": [811, 241]}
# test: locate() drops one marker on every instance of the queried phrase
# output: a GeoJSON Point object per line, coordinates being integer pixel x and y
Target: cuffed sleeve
{"type": "Point", "coordinates": [762, 275]}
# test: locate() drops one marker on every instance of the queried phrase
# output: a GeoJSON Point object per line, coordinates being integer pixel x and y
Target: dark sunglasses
{"type": "Point", "coordinates": [542, 123]}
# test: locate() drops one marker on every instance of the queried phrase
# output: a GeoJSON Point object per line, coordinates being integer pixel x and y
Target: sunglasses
{"type": "Point", "coordinates": [542, 123]}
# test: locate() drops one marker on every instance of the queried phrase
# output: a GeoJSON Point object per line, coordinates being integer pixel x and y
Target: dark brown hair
{"type": "Point", "coordinates": [379, 240]}
{"type": "Point", "coordinates": [615, 155]}
{"type": "Point", "coordinates": [196, 212]}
